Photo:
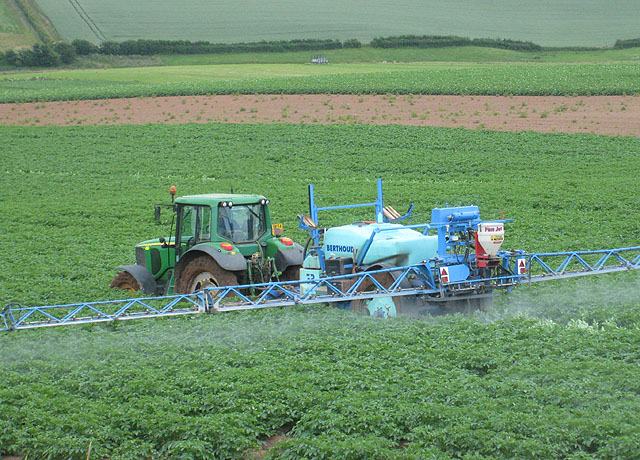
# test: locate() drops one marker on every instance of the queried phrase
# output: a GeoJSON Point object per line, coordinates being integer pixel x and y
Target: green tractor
{"type": "Point", "coordinates": [220, 240]}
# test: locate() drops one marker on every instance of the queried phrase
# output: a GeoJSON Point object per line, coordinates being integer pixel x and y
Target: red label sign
{"type": "Point", "coordinates": [522, 267]}
{"type": "Point", "coordinates": [444, 274]}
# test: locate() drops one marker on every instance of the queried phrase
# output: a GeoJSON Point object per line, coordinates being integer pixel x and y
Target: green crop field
{"type": "Point", "coordinates": [560, 382]}
{"type": "Point", "coordinates": [15, 31]}
{"type": "Point", "coordinates": [90, 189]}
{"type": "Point", "coordinates": [358, 78]}
{"type": "Point", "coordinates": [550, 23]}
{"type": "Point", "coordinates": [460, 54]}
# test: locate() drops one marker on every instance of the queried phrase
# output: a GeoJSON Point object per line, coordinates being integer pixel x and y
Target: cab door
{"type": "Point", "coordinates": [193, 227]}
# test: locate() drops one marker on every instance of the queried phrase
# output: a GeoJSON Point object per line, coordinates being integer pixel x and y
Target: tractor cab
{"type": "Point", "coordinates": [241, 220]}
{"type": "Point", "coordinates": [220, 240]}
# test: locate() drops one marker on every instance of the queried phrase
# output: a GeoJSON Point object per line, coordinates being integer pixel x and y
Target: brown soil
{"type": "Point", "coordinates": [611, 115]}
{"type": "Point", "coordinates": [268, 444]}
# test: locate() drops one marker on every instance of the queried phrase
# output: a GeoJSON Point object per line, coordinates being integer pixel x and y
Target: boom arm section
{"type": "Point", "coordinates": [547, 266]}
{"type": "Point", "coordinates": [425, 280]}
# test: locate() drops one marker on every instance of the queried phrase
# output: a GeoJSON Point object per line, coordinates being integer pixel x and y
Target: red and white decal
{"type": "Point", "coordinates": [444, 274]}
{"type": "Point", "coordinates": [522, 267]}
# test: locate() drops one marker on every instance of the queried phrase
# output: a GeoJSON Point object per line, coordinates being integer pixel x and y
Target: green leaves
{"type": "Point", "coordinates": [550, 392]}
{"type": "Point", "coordinates": [464, 79]}
{"type": "Point", "coordinates": [560, 382]}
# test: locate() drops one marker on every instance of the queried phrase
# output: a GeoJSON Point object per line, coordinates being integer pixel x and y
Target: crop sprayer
{"type": "Point", "coordinates": [226, 255]}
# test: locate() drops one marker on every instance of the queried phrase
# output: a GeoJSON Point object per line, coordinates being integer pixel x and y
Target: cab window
{"type": "Point", "coordinates": [195, 224]}
{"type": "Point", "coordinates": [241, 223]}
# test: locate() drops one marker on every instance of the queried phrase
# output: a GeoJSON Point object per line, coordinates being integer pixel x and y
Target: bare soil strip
{"type": "Point", "coordinates": [610, 115]}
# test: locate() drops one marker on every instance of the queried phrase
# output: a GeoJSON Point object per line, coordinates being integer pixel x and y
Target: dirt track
{"type": "Point", "coordinates": [610, 115]}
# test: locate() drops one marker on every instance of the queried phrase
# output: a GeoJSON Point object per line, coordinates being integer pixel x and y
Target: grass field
{"type": "Point", "coordinates": [15, 31]}
{"type": "Point", "coordinates": [359, 78]}
{"type": "Point", "coordinates": [406, 55]}
{"type": "Point", "coordinates": [330, 384]}
{"type": "Point", "coordinates": [570, 23]}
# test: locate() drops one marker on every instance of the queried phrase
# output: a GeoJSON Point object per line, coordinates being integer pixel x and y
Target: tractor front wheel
{"type": "Point", "coordinates": [203, 272]}
{"type": "Point", "coordinates": [126, 282]}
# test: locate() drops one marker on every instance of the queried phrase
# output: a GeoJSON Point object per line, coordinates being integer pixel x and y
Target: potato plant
{"type": "Point", "coordinates": [479, 79]}
{"type": "Point", "coordinates": [551, 372]}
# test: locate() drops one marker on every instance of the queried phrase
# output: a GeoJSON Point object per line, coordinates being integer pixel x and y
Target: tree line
{"type": "Point", "coordinates": [441, 41]}
{"type": "Point", "coordinates": [52, 55]}
{"type": "Point", "coordinates": [60, 53]}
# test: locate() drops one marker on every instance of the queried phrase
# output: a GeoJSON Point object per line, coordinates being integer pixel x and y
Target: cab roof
{"type": "Point", "coordinates": [212, 199]}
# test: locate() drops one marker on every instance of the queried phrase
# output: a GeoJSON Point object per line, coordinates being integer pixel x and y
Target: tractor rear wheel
{"type": "Point", "coordinates": [126, 282]}
{"type": "Point", "coordinates": [203, 272]}
{"type": "Point", "coordinates": [381, 307]}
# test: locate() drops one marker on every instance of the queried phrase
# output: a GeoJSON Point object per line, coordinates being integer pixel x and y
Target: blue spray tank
{"type": "Point", "coordinates": [384, 243]}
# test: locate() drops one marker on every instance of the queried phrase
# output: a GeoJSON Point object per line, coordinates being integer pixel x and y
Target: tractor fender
{"type": "Point", "coordinates": [404, 284]}
{"type": "Point", "coordinates": [143, 276]}
{"type": "Point", "coordinates": [287, 257]}
{"type": "Point", "coordinates": [230, 262]}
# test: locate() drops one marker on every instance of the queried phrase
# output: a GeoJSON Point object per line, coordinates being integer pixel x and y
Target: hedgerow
{"type": "Point", "coordinates": [440, 41]}
{"type": "Point", "coordinates": [630, 43]}
{"type": "Point", "coordinates": [65, 53]}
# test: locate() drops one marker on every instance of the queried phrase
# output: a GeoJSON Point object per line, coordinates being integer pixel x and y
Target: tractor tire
{"type": "Point", "coordinates": [126, 282]}
{"type": "Point", "coordinates": [381, 306]}
{"type": "Point", "coordinates": [203, 272]}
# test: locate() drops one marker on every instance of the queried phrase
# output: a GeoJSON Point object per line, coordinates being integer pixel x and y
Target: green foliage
{"type": "Point", "coordinates": [440, 41]}
{"type": "Point", "coordinates": [11, 57]}
{"type": "Point", "coordinates": [630, 43]}
{"type": "Point", "coordinates": [101, 182]}
{"type": "Point", "coordinates": [334, 385]}
{"type": "Point", "coordinates": [84, 47]}
{"type": "Point", "coordinates": [109, 47]}
{"type": "Point", "coordinates": [148, 47]}
{"type": "Point", "coordinates": [38, 56]}
{"type": "Point", "coordinates": [66, 52]}
{"type": "Point", "coordinates": [352, 43]}
{"type": "Point", "coordinates": [505, 79]}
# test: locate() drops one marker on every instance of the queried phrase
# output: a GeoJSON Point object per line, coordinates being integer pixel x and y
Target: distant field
{"type": "Point", "coordinates": [363, 78]}
{"type": "Point", "coordinates": [377, 55]}
{"type": "Point", "coordinates": [15, 31]}
{"type": "Point", "coordinates": [547, 22]}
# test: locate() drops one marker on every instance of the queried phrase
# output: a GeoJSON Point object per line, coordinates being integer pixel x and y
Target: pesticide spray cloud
{"type": "Point", "coordinates": [608, 298]}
